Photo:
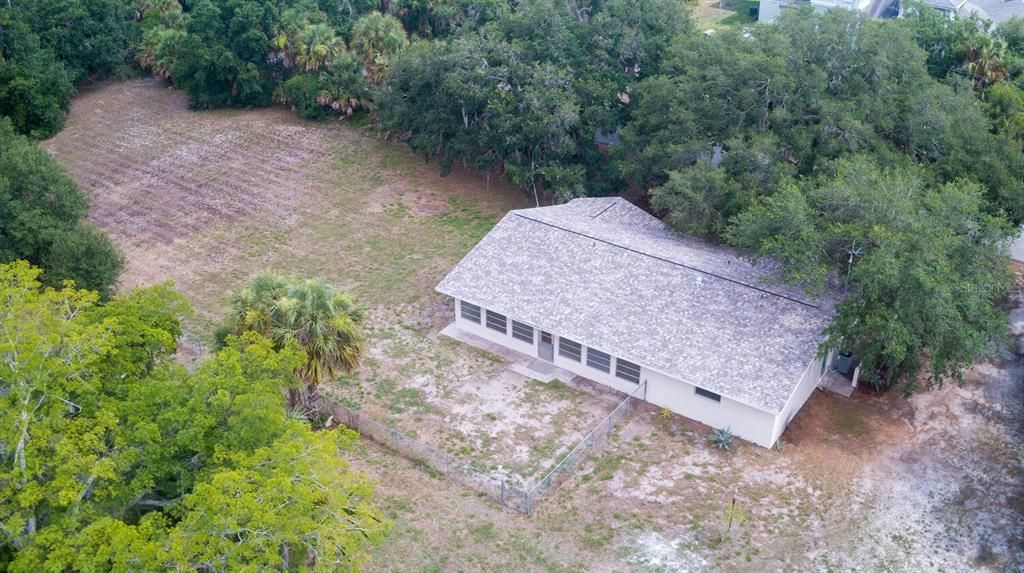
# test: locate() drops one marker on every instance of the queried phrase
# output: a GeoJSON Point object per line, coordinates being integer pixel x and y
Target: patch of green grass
{"type": "Point", "coordinates": [595, 537]}
{"type": "Point", "coordinates": [484, 531]}
{"type": "Point", "coordinates": [742, 16]}
{"type": "Point", "coordinates": [465, 220]}
{"type": "Point", "coordinates": [850, 422]}
{"type": "Point", "coordinates": [606, 466]}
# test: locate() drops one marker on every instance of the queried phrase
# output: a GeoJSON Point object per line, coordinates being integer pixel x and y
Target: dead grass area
{"type": "Point", "coordinates": [708, 13]}
{"type": "Point", "coordinates": [469, 403]}
{"type": "Point", "coordinates": [869, 483]}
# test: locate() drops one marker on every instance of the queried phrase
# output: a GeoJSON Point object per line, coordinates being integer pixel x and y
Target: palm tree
{"type": "Point", "coordinates": [324, 321]}
{"type": "Point", "coordinates": [253, 307]}
{"type": "Point", "coordinates": [984, 61]}
{"type": "Point", "coordinates": [327, 325]}
{"type": "Point", "coordinates": [286, 38]}
{"type": "Point", "coordinates": [317, 47]}
{"type": "Point", "coordinates": [343, 85]}
{"type": "Point", "coordinates": [375, 38]}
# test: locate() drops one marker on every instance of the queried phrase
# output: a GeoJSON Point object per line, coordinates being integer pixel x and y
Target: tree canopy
{"type": "Point", "coordinates": [119, 459]}
{"type": "Point", "coordinates": [722, 132]}
{"type": "Point", "coordinates": [826, 143]}
{"type": "Point", "coordinates": [47, 48]}
{"type": "Point", "coordinates": [323, 321]}
{"type": "Point", "coordinates": [922, 266]}
{"type": "Point", "coordinates": [42, 215]}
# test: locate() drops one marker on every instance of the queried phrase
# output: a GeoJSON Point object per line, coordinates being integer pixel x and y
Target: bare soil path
{"type": "Point", "coordinates": [934, 483]}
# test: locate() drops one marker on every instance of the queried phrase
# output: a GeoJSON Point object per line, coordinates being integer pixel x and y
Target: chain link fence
{"type": "Point", "coordinates": [451, 467]}
{"type": "Point", "coordinates": [466, 474]}
{"type": "Point", "coordinates": [592, 442]}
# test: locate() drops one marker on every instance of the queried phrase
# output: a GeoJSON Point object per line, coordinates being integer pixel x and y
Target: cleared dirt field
{"type": "Point", "coordinates": [935, 483]}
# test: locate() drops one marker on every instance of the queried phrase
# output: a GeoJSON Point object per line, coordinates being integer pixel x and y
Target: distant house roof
{"type": "Point", "coordinates": [949, 5]}
{"type": "Point", "coordinates": [995, 10]}
{"type": "Point", "coordinates": [606, 274]}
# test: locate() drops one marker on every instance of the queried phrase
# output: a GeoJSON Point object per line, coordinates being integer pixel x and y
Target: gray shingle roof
{"type": "Point", "coordinates": [995, 10]}
{"type": "Point", "coordinates": [606, 274]}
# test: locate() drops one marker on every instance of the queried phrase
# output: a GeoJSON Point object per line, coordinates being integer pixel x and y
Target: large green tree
{"type": "Point", "coordinates": [803, 92]}
{"type": "Point", "coordinates": [118, 459]}
{"type": "Point", "coordinates": [42, 218]}
{"type": "Point", "coordinates": [921, 266]}
{"type": "Point", "coordinates": [525, 93]}
{"type": "Point", "coordinates": [48, 47]}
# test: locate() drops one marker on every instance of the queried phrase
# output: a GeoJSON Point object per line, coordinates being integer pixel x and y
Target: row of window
{"type": "Point", "coordinates": [598, 360]}
{"type": "Point", "coordinates": [567, 348]}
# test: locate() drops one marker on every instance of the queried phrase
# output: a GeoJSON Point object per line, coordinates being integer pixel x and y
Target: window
{"type": "Point", "coordinates": [599, 360]}
{"type": "Point", "coordinates": [522, 331]}
{"type": "Point", "coordinates": [707, 394]}
{"type": "Point", "coordinates": [569, 349]}
{"type": "Point", "coordinates": [627, 370]}
{"type": "Point", "coordinates": [470, 311]}
{"type": "Point", "coordinates": [497, 322]}
{"type": "Point", "coordinates": [545, 337]}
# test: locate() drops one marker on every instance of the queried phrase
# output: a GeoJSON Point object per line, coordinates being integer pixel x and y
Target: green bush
{"type": "Point", "coordinates": [46, 47]}
{"type": "Point", "coordinates": [301, 92]}
{"type": "Point", "coordinates": [35, 87]}
{"type": "Point", "coordinates": [85, 255]}
{"type": "Point", "coordinates": [41, 212]}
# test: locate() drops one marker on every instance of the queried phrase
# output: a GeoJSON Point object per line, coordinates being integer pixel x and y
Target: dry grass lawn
{"type": "Point", "coordinates": [862, 484]}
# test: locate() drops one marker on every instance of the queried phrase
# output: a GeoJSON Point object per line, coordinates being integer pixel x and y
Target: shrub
{"type": "Point", "coordinates": [85, 255]}
{"type": "Point", "coordinates": [721, 438]}
{"type": "Point", "coordinates": [301, 92]}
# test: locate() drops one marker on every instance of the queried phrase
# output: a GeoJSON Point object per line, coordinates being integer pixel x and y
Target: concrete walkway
{"type": "Point", "coordinates": [836, 382]}
{"type": "Point", "coordinates": [529, 366]}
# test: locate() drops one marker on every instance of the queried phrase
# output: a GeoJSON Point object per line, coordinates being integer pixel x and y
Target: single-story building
{"type": "Point", "coordinates": [601, 288]}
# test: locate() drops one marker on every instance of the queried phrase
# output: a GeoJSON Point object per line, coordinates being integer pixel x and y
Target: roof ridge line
{"type": "Point", "coordinates": [671, 262]}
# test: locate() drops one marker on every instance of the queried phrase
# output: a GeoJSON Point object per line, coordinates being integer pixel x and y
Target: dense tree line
{"type": "Point", "coordinates": [116, 458]}
{"type": "Point", "coordinates": [826, 143]}
{"type": "Point", "coordinates": [319, 59]}
{"type": "Point", "coordinates": [526, 93]}
{"type": "Point", "coordinates": [48, 48]}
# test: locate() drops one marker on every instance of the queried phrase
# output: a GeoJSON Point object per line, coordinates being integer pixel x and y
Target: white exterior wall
{"type": "Point", "coordinates": [808, 382]}
{"type": "Point", "coordinates": [606, 378]}
{"type": "Point", "coordinates": [1017, 247]}
{"type": "Point", "coordinates": [581, 368]}
{"type": "Point", "coordinates": [747, 422]}
{"type": "Point", "coordinates": [768, 11]}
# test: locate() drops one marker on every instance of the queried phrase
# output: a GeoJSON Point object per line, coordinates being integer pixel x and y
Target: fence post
{"type": "Point", "coordinates": [527, 502]}
{"type": "Point", "coordinates": [501, 492]}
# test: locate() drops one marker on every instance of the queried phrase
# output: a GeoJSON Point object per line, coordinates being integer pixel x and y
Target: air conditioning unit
{"type": "Point", "coordinates": [844, 363]}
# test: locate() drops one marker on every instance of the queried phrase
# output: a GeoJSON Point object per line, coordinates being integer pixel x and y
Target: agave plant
{"type": "Point", "coordinates": [721, 438]}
